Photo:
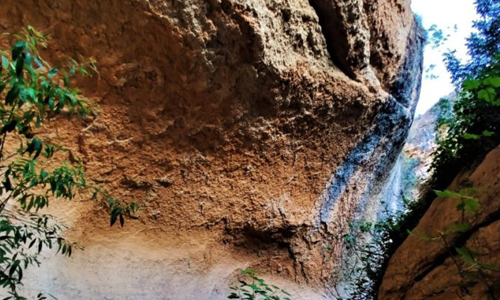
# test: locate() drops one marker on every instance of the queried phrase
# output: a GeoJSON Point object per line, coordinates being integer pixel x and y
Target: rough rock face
{"type": "Point", "coordinates": [423, 269]}
{"type": "Point", "coordinates": [419, 146]}
{"type": "Point", "coordinates": [248, 131]}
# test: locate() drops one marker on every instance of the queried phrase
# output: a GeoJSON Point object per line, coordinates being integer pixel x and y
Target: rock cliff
{"type": "Point", "coordinates": [429, 269]}
{"type": "Point", "coordinates": [420, 144]}
{"type": "Point", "coordinates": [250, 132]}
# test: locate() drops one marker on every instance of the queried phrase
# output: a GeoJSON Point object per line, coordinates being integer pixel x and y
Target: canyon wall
{"type": "Point", "coordinates": [432, 269]}
{"type": "Point", "coordinates": [420, 144]}
{"type": "Point", "coordinates": [249, 132]}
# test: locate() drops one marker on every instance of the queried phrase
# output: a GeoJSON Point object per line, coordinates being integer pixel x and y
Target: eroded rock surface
{"type": "Point", "coordinates": [260, 123]}
{"type": "Point", "coordinates": [420, 145]}
{"type": "Point", "coordinates": [423, 269]}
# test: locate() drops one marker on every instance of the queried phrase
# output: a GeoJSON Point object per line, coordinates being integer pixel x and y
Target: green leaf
{"type": "Point", "coordinates": [20, 66]}
{"type": "Point", "coordinates": [133, 207]}
{"type": "Point", "coordinates": [466, 255]}
{"type": "Point", "coordinates": [14, 267]}
{"type": "Point", "coordinates": [52, 73]}
{"type": "Point", "coordinates": [488, 95]}
{"type": "Point", "coordinates": [488, 133]}
{"type": "Point", "coordinates": [421, 236]}
{"type": "Point", "coordinates": [12, 94]}
{"type": "Point", "coordinates": [470, 85]}
{"type": "Point", "coordinates": [491, 267]}
{"type": "Point", "coordinates": [30, 94]}
{"type": "Point", "coordinates": [471, 136]}
{"type": "Point", "coordinates": [18, 49]}
{"type": "Point", "coordinates": [114, 215]}
{"type": "Point", "coordinates": [9, 127]}
{"type": "Point", "coordinates": [5, 62]}
{"type": "Point", "coordinates": [51, 103]}
{"type": "Point", "coordinates": [66, 80]}
{"type": "Point", "coordinates": [492, 81]}
{"type": "Point", "coordinates": [471, 204]}
{"type": "Point", "coordinates": [448, 194]}
{"type": "Point", "coordinates": [20, 274]}
{"type": "Point", "coordinates": [26, 131]}
{"type": "Point", "coordinates": [7, 184]}
{"type": "Point", "coordinates": [458, 227]}
{"type": "Point", "coordinates": [484, 95]}
{"type": "Point", "coordinates": [35, 146]}
{"type": "Point", "coordinates": [39, 63]}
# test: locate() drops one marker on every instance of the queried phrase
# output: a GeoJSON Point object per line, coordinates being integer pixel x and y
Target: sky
{"type": "Point", "coordinates": [445, 14]}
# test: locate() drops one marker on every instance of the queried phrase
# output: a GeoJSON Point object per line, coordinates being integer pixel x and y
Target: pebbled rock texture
{"type": "Point", "coordinates": [248, 131]}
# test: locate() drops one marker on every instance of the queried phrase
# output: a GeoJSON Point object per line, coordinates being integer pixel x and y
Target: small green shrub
{"type": "Point", "coordinates": [33, 171]}
{"type": "Point", "coordinates": [254, 288]}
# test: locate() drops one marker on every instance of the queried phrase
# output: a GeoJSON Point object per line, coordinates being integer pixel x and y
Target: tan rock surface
{"type": "Point", "coordinates": [228, 121]}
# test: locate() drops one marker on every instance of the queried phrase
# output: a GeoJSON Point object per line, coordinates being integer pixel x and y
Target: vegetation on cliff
{"type": "Point", "coordinates": [34, 171]}
{"type": "Point", "coordinates": [473, 127]}
{"type": "Point", "coordinates": [468, 132]}
{"type": "Point", "coordinates": [252, 287]}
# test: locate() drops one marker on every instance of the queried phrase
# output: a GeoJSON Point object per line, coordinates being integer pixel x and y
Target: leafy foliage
{"type": "Point", "coordinates": [483, 45]}
{"type": "Point", "coordinates": [436, 36]}
{"type": "Point", "coordinates": [256, 288]}
{"type": "Point", "coordinates": [444, 112]}
{"type": "Point", "coordinates": [466, 203]}
{"type": "Point", "coordinates": [476, 111]}
{"type": "Point", "coordinates": [34, 171]}
{"type": "Point", "coordinates": [367, 244]}
{"type": "Point", "coordinates": [372, 245]}
{"type": "Point", "coordinates": [470, 269]}
{"type": "Point", "coordinates": [469, 133]}
{"type": "Point", "coordinates": [476, 116]}
{"type": "Point", "coordinates": [469, 130]}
